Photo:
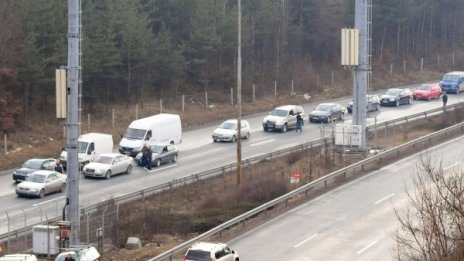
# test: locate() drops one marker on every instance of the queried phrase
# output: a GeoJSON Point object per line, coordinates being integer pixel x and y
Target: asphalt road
{"type": "Point", "coordinates": [197, 153]}
{"type": "Point", "coordinates": [353, 222]}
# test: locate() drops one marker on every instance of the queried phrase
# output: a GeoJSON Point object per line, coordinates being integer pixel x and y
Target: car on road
{"type": "Point", "coordinates": [282, 118]}
{"type": "Point", "coordinates": [327, 112]}
{"type": "Point", "coordinates": [32, 165]}
{"type": "Point", "coordinates": [107, 165]}
{"type": "Point", "coordinates": [206, 251]}
{"type": "Point", "coordinates": [427, 91]}
{"type": "Point", "coordinates": [227, 131]}
{"type": "Point", "coordinates": [41, 183]}
{"type": "Point", "coordinates": [80, 253]}
{"type": "Point", "coordinates": [396, 97]}
{"type": "Point", "coordinates": [372, 104]}
{"type": "Point", "coordinates": [161, 153]}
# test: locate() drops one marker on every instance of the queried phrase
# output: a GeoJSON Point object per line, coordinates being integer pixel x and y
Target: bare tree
{"type": "Point", "coordinates": [432, 227]}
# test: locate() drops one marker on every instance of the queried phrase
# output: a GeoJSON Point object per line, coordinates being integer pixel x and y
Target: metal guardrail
{"type": "Point", "coordinates": [229, 167]}
{"type": "Point", "coordinates": [415, 145]}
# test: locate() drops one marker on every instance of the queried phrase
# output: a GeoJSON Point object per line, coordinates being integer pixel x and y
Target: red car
{"type": "Point", "coordinates": [427, 91]}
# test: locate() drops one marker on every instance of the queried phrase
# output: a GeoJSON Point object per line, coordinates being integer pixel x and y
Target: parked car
{"type": "Point", "coordinates": [427, 91]}
{"type": "Point", "coordinates": [227, 131]}
{"type": "Point", "coordinates": [18, 257]}
{"type": "Point", "coordinates": [327, 112]}
{"type": "Point", "coordinates": [396, 97]}
{"type": "Point", "coordinates": [453, 82]}
{"type": "Point", "coordinates": [372, 104]}
{"type": "Point", "coordinates": [161, 153]}
{"type": "Point", "coordinates": [107, 165]}
{"type": "Point", "coordinates": [282, 118]}
{"type": "Point", "coordinates": [81, 253]}
{"type": "Point", "coordinates": [205, 251]}
{"type": "Point", "coordinates": [32, 165]}
{"type": "Point", "coordinates": [41, 183]}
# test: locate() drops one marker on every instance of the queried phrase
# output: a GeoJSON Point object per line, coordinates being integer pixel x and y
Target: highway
{"type": "Point", "coordinates": [353, 222]}
{"type": "Point", "coordinates": [197, 153]}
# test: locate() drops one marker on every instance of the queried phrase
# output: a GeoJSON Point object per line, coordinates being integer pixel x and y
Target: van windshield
{"type": "Point", "coordinates": [135, 134]}
{"type": "Point", "coordinates": [451, 78]}
{"type": "Point", "coordinates": [83, 146]}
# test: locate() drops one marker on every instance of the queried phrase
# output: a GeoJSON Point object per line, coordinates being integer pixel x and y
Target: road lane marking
{"type": "Point", "coordinates": [304, 241]}
{"type": "Point", "coordinates": [384, 198]}
{"type": "Point", "coordinates": [159, 169]}
{"type": "Point", "coordinates": [366, 247]}
{"type": "Point", "coordinates": [48, 201]}
{"type": "Point", "coordinates": [262, 142]}
{"type": "Point", "coordinates": [452, 165]}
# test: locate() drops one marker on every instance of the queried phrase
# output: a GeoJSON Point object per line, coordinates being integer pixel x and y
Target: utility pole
{"type": "Point", "coordinates": [72, 125]}
{"type": "Point", "coordinates": [362, 72]}
{"type": "Point", "coordinates": [239, 96]}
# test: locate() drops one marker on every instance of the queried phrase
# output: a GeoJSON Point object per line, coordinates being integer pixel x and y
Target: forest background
{"type": "Point", "coordinates": [140, 50]}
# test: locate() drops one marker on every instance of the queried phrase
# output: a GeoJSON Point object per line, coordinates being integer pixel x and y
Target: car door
{"type": "Point", "coordinates": [51, 183]}
{"type": "Point", "coordinates": [291, 118]}
{"type": "Point", "coordinates": [227, 254]}
{"type": "Point", "coordinates": [117, 165]}
{"type": "Point", "coordinates": [245, 128]}
{"type": "Point", "coordinates": [164, 154]}
{"type": "Point", "coordinates": [335, 112]}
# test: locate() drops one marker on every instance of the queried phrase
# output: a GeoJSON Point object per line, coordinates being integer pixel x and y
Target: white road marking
{"type": "Point", "coordinates": [384, 198]}
{"type": "Point", "coordinates": [366, 247]}
{"type": "Point", "coordinates": [48, 201]}
{"type": "Point", "coordinates": [262, 142]}
{"type": "Point", "coordinates": [159, 169]}
{"type": "Point", "coordinates": [304, 241]}
{"type": "Point", "coordinates": [452, 165]}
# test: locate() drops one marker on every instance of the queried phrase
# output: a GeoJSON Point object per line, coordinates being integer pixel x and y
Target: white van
{"type": "Point", "coordinates": [160, 128]}
{"type": "Point", "coordinates": [18, 257]}
{"type": "Point", "coordinates": [90, 146]}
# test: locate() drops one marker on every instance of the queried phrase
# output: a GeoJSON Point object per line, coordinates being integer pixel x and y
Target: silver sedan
{"type": "Point", "coordinates": [42, 182]}
{"type": "Point", "coordinates": [107, 165]}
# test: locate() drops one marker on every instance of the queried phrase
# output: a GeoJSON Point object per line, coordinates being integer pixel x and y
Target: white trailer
{"type": "Point", "coordinates": [160, 128]}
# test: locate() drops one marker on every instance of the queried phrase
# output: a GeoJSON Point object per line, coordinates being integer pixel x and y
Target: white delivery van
{"type": "Point", "coordinates": [160, 128]}
{"type": "Point", "coordinates": [90, 146]}
{"type": "Point", "coordinates": [18, 257]}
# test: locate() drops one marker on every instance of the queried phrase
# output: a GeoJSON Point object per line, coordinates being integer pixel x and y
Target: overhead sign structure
{"type": "Point", "coordinates": [350, 47]}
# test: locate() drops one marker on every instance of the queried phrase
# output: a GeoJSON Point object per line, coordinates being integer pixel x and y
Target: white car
{"type": "Point", "coordinates": [42, 182]}
{"type": "Point", "coordinates": [107, 165]}
{"type": "Point", "coordinates": [227, 131]}
{"type": "Point", "coordinates": [210, 251]}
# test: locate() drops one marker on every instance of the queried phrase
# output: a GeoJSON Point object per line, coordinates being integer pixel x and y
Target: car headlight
{"type": "Point", "coordinates": [34, 190]}
{"type": "Point", "coordinates": [100, 171]}
{"type": "Point", "coordinates": [392, 99]}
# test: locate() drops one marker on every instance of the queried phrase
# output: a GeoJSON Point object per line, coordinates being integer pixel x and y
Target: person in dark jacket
{"type": "Point", "coordinates": [149, 155]}
{"type": "Point", "coordinates": [299, 123]}
{"type": "Point", "coordinates": [143, 160]}
{"type": "Point", "coordinates": [444, 98]}
{"type": "Point", "coordinates": [58, 167]}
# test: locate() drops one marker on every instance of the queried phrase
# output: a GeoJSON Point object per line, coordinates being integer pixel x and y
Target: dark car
{"type": "Point", "coordinates": [161, 153]}
{"type": "Point", "coordinates": [33, 165]}
{"type": "Point", "coordinates": [372, 104]}
{"type": "Point", "coordinates": [327, 112]}
{"type": "Point", "coordinates": [396, 97]}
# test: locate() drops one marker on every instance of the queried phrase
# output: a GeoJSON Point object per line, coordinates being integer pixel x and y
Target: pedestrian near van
{"type": "Point", "coordinates": [299, 123]}
{"type": "Point", "coordinates": [444, 98]}
{"type": "Point", "coordinates": [149, 155]}
{"type": "Point", "coordinates": [144, 155]}
{"type": "Point", "coordinates": [58, 166]}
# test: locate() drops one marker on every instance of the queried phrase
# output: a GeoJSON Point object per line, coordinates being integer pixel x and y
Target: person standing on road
{"type": "Point", "coordinates": [149, 155]}
{"type": "Point", "coordinates": [144, 156]}
{"type": "Point", "coordinates": [444, 98]}
{"type": "Point", "coordinates": [58, 167]}
{"type": "Point", "coordinates": [299, 123]}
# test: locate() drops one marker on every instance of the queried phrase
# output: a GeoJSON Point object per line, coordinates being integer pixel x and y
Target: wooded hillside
{"type": "Point", "coordinates": [158, 48]}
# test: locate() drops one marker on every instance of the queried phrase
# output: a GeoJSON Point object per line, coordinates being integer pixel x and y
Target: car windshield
{"type": "Point", "coordinates": [83, 146]}
{"type": "Point", "coordinates": [135, 134]}
{"type": "Point", "coordinates": [424, 87]}
{"type": "Point", "coordinates": [451, 78]}
{"type": "Point", "coordinates": [62, 256]}
{"type": "Point", "coordinates": [104, 159]}
{"type": "Point", "coordinates": [157, 149]}
{"type": "Point", "coordinates": [323, 107]}
{"type": "Point", "coordinates": [279, 112]}
{"type": "Point", "coordinates": [37, 178]}
{"type": "Point", "coordinates": [228, 125]}
{"type": "Point", "coordinates": [393, 92]}
{"type": "Point", "coordinates": [198, 255]}
{"type": "Point", "coordinates": [32, 164]}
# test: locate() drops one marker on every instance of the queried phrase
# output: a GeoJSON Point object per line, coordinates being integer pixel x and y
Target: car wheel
{"type": "Point", "coordinates": [174, 159]}
{"type": "Point", "coordinates": [63, 187]}
{"type": "Point", "coordinates": [108, 174]}
{"type": "Point", "coordinates": [284, 128]}
{"type": "Point", "coordinates": [265, 129]}
{"type": "Point", "coordinates": [157, 163]}
{"type": "Point", "coordinates": [214, 140]}
{"type": "Point", "coordinates": [397, 104]}
{"type": "Point", "coordinates": [414, 97]}
{"type": "Point", "coordinates": [234, 138]}
{"type": "Point", "coordinates": [429, 98]}
{"type": "Point", "coordinates": [42, 193]}
{"type": "Point", "coordinates": [129, 169]}
{"type": "Point", "coordinates": [409, 101]}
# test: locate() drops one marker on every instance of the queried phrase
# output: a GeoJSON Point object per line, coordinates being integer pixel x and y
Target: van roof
{"type": "Point", "coordinates": [146, 122]}
{"type": "Point", "coordinates": [93, 136]}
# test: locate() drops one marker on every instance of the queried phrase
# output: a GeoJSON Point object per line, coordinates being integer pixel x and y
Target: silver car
{"type": "Point", "coordinates": [107, 165]}
{"type": "Point", "coordinates": [41, 183]}
{"type": "Point", "coordinates": [227, 131]}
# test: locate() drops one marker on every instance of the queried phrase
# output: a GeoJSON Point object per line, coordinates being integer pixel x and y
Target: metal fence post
{"type": "Point", "coordinates": [25, 225]}
{"type": "Point", "coordinates": [8, 221]}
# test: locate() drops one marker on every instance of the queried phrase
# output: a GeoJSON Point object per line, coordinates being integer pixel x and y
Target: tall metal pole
{"type": "Point", "coordinates": [73, 121]}
{"type": "Point", "coordinates": [362, 73]}
{"type": "Point", "coordinates": [239, 95]}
